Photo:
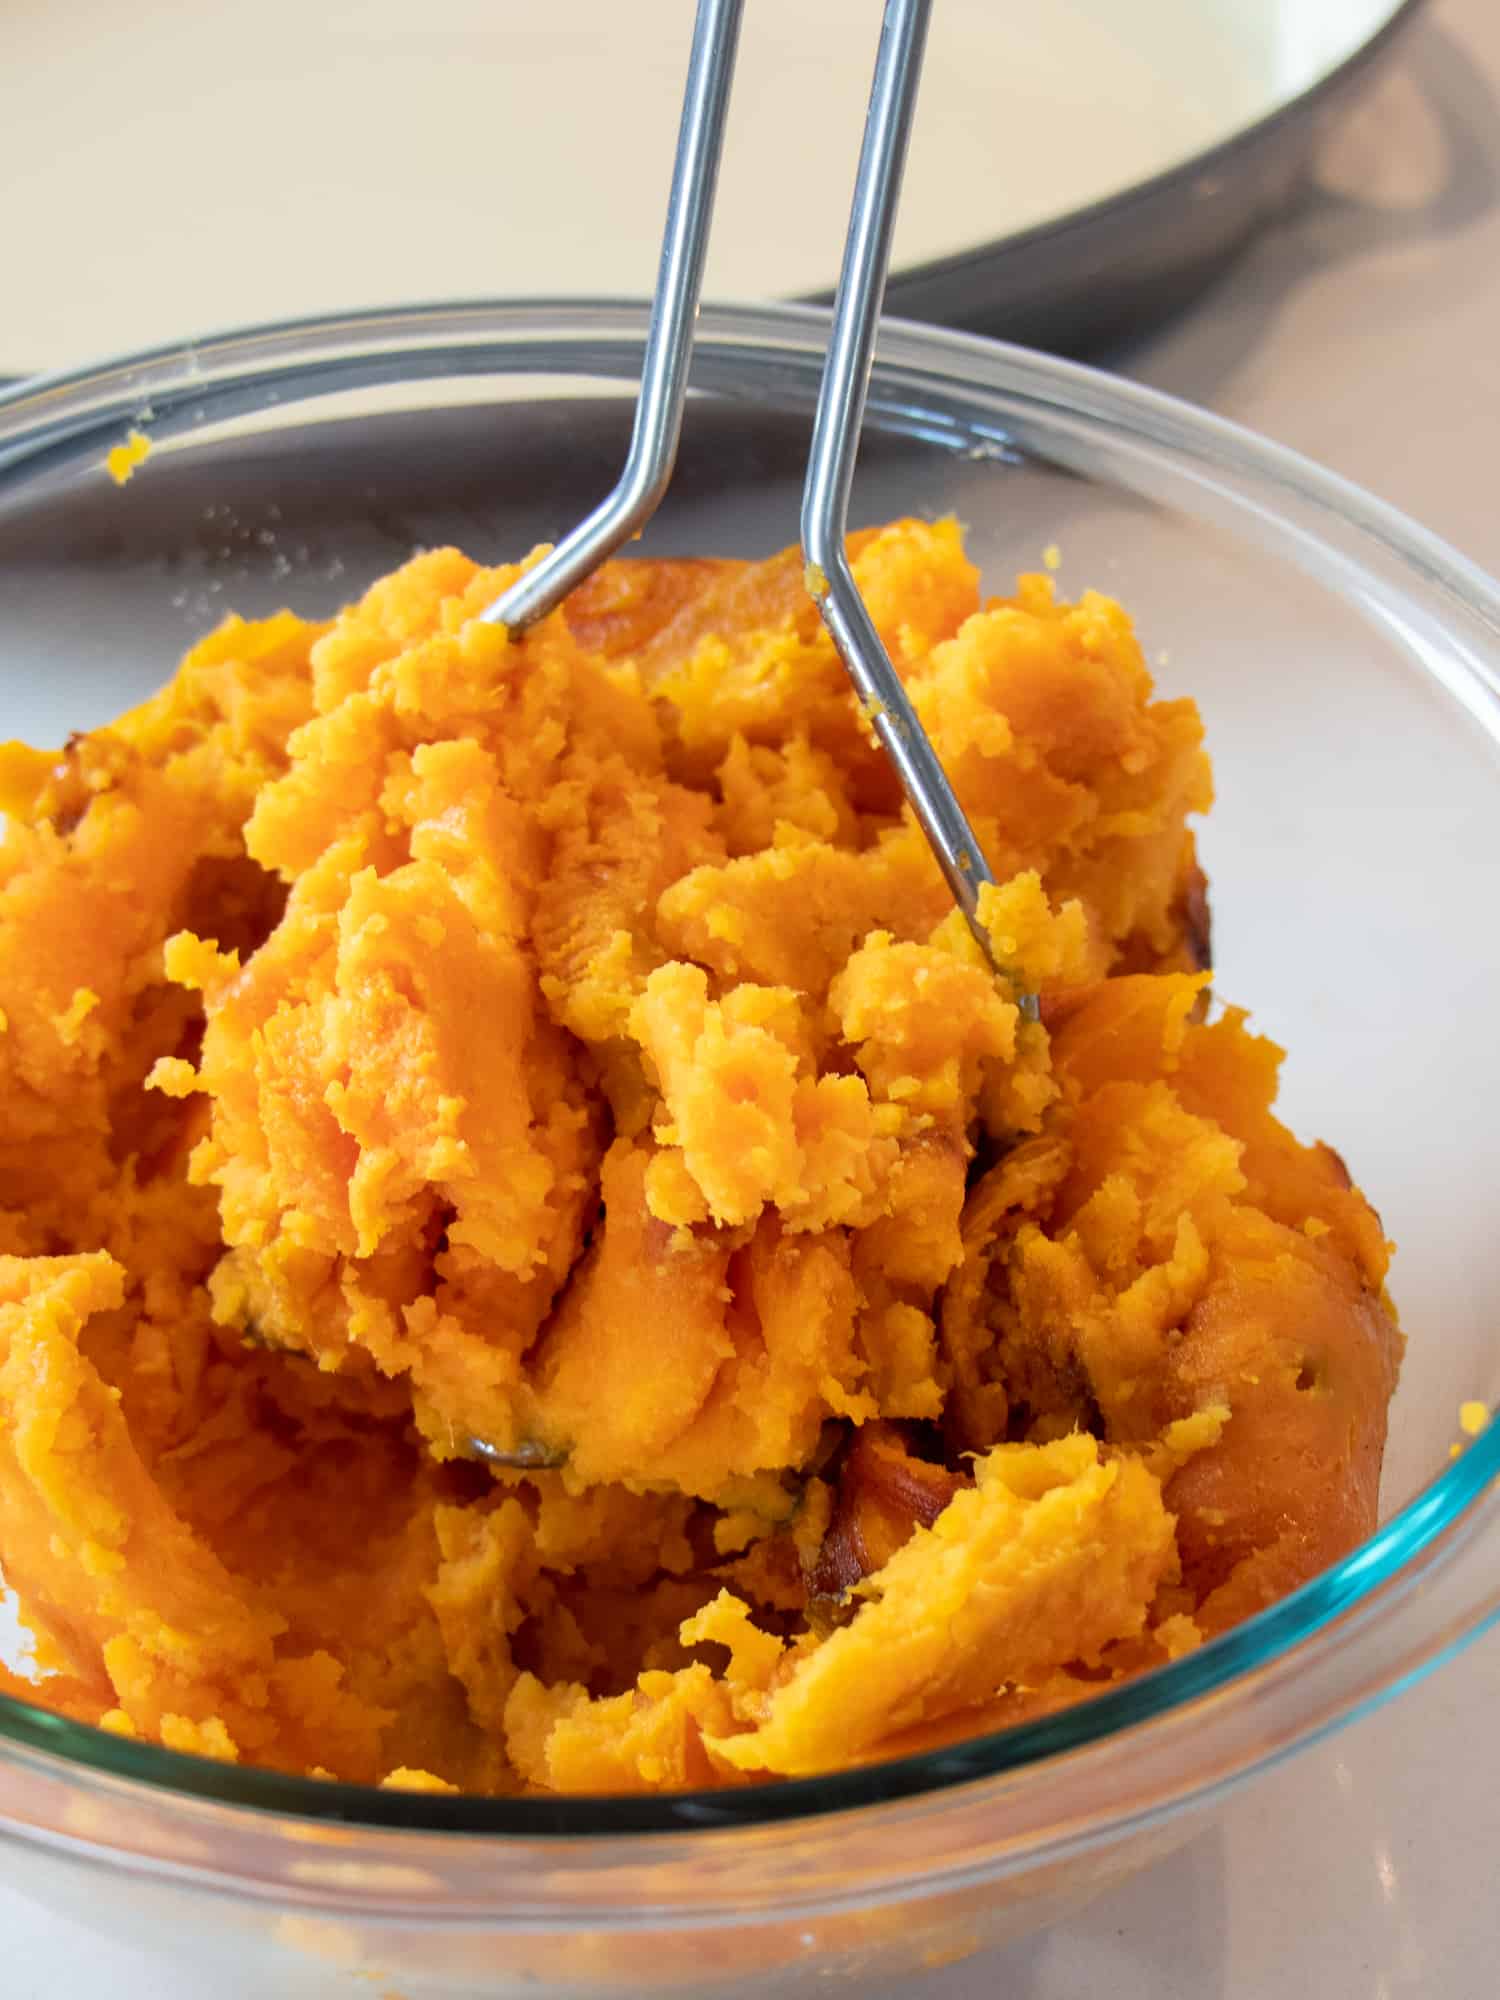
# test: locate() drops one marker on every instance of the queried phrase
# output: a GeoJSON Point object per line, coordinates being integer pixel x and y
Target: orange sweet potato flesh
{"type": "Point", "coordinates": [415, 1041]}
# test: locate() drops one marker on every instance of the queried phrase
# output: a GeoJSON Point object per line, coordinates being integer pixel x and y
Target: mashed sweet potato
{"type": "Point", "coordinates": [535, 1252]}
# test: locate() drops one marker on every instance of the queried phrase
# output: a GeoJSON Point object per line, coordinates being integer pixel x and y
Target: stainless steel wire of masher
{"type": "Point", "coordinates": [836, 427]}
{"type": "Point", "coordinates": [669, 341]}
{"type": "Point", "coordinates": [830, 475]}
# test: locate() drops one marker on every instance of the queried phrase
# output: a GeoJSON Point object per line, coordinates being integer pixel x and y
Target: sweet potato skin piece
{"type": "Point", "coordinates": [884, 1495]}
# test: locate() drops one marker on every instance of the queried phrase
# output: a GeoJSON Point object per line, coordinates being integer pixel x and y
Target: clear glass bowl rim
{"type": "Point", "coordinates": [776, 351]}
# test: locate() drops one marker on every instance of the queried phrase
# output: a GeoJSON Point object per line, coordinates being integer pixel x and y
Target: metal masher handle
{"type": "Point", "coordinates": [669, 342]}
{"type": "Point", "coordinates": [835, 446]}
{"type": "Point", "coordinates": [836, 428]}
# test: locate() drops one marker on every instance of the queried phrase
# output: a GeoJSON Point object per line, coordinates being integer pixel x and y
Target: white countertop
{"type": "Point", "coordinates": [1365, 331]}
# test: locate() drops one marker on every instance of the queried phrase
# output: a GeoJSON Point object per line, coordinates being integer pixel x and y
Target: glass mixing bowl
{"type": "Point", "coordinates": [1348, 667]}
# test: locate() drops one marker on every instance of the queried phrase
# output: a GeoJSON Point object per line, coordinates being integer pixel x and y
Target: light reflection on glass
{"type": "Point", "coordinates": [1385, 1869]}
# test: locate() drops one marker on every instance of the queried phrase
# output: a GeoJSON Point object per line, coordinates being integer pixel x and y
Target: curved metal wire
{"type": "Point", "coordinates": [669, 344]}
{"type": "Point", "coordinates": [830, 470]}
